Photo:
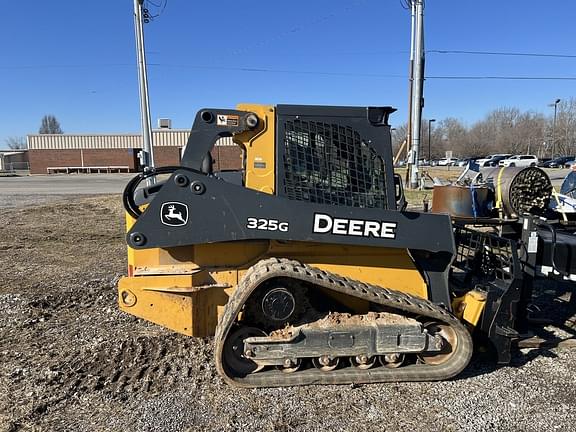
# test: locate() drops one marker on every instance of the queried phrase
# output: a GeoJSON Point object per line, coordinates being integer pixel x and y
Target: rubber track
{"type": "Point", "coordinates": [281, 267]}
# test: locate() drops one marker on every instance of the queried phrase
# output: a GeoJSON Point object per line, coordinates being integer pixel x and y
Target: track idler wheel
{"type": "Point", "coordinates": [450, 343]}
{"type": "Point", "coordinates": [236, 358]}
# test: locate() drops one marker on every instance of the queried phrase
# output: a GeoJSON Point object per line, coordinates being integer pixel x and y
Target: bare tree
{"type": "Point", "coordinates": [530, 129]}
{"type": "Point", "coordinates": [565, 127]}
{"type": "Point", "coordinates": [503, 130]}
{"type": "Point", "coordinates": [450, 134]}
{"type": "Point", "coordinates": [398, 136]}
{"type": "Point", "coordinates": [50, 125]}
{"type": "Point", "coordinates": [16, 142]}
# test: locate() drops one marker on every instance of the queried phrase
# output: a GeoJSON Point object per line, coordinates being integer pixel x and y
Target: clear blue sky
{"type": "Point", "coordinates": [76, 59]}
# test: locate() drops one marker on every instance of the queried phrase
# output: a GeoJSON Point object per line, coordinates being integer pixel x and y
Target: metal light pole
{"type": "Point", "coordinates": [429, 135]}
{"type": "Point", "coordinates": [147, 144]}
{"type": "Point", "coordinates": [556, 102]}
{"type": "Point", "coordinates": [410, 88]}
{"type": "Point", "coordinates": [417, 87]}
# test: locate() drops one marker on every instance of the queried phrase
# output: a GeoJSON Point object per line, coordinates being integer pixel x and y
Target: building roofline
{"type": "Point", "coordinates": [108, 134]}
{"type": "Point", "coordinates": [12, 152]}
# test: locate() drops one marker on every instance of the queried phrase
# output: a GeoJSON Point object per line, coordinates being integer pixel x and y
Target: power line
{"type": "Point", "coordinates": [406, 4]}
{"type": "Point", "coordinates": [160, 6]}
{"type": "Point", "coordinates": [525, 54]}
{"type": "Point", "coordinates": [65, 66]}
{"type": "Point", "coordinates": [283, 71]}
{"type": "Point", "coordinates": [300, 72]}
{"type": "Point", "coordinates": [497, 53]}
{"type": "Point", "coordinates": [503, 77]}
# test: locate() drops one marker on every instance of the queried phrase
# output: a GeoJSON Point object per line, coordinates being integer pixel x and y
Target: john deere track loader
{"type": "Point", "coordinates": [305, 264]}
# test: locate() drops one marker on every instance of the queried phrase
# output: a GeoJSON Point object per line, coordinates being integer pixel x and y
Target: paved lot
{"type": "Point", "coordinates": [90, 184]}
{"type": "Point", "coordinates": [76, 184]}
{"type": "Point", "coordinates": [32, 190]}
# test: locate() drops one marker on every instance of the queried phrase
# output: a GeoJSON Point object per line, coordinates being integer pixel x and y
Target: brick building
{"type": "Point", "coordinates": [13, 160]}
{"type": "Point", "coordinates": [117, 152]}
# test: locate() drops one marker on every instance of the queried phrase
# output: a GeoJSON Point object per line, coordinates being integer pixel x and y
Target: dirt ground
{"type": "Point", "coordinates": [69, 360]}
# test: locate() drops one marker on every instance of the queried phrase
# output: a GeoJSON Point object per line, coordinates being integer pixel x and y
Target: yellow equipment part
{"type": "Point", "coordinates": [470, 306]}
{"type": "Point", "coordinates": [259, 147]}
{"type": "Point", "coordinates": [191, 302]}
{"type": "Point", "coordinates": [186, 288]}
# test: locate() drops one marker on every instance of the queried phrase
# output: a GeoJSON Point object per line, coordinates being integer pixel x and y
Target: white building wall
{"type": "Point", "coordinates": [160, 138]}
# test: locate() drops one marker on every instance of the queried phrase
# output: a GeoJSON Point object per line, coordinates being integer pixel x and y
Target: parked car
{"type": "Point", "coordinates": [558, 162]}
{"type": "Point", "coordinates": [492, 160]}
{"type": "Point", "coordinates": [519, 161]}
{"type": "Point", "coordinates": [544, 161]}
{"type": "Point", "coordinates": [447, 162]}
{"type": "Point", "coordinates": [569, 163]}
{"type": "Point", "coordinates": [464, 162]}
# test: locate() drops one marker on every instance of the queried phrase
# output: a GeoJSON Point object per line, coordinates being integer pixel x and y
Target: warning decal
{"type": "Point", "coordinates": [227, 120]}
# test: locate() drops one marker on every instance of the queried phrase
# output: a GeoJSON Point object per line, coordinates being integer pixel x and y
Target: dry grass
{"type": "Point", "coordinates": [416, 197]}
{"type": "Point", "coordinates": [447, 173]}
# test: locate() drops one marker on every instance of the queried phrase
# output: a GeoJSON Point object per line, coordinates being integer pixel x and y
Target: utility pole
{"type": "Point", "coordinates": [410, 84]}
{"type": "Point", "coordinates": [556, 102]}
{"type": "Point", "coordinates": [417, 91]}
{"type": "Point", "coordinates": [429, 140]}
{"type": "Point", "coordinates": [147, 144]}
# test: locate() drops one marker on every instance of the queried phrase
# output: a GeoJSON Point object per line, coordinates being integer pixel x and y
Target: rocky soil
{"type": "Point", "coordinates": [69, 360]}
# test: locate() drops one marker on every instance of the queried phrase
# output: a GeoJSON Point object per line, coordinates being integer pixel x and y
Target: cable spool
{"type": "Point", "coordinates": [519, 190]}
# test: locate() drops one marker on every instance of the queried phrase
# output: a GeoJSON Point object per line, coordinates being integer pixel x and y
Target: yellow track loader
{"type": "Point", "coordinates": [305, 264]}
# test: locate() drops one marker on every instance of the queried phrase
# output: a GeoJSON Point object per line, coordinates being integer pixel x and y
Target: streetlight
{"type": "Point", "coordinates": [556, 102]}
{"type": "Point", "coordinates": [429, 147]}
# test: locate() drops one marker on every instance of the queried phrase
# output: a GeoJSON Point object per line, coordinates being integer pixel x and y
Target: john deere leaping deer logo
{"type": "Point", "coordinates": [174, 213]}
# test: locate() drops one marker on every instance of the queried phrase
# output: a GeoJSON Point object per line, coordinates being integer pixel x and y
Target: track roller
{"type": "Point", "coordinates": [392, 361]}
{"type": "Point", "coordinates": [326, 363]}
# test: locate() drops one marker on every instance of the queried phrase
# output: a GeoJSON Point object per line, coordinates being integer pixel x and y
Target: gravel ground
{"type": "Point", "coordinates": [69, 360]}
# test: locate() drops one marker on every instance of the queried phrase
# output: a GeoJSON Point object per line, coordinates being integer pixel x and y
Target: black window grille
{"type": "Point", "coordinates": [331, 164]}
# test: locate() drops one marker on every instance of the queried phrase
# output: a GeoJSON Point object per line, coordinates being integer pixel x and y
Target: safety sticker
{"type": "Point", "coordinates": [227, 120]}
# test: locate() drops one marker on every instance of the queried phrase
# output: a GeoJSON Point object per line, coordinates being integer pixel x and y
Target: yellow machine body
{"type": "Point", "coordinates": [186, 288]}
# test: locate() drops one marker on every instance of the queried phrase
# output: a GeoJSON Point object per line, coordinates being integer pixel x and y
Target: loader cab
{"type": "Point", "coordinates": [321, 154]}
{"type": "Point", "coordinates": [339, 156]}
{"type": "Point", "coordinates": [335, 155]}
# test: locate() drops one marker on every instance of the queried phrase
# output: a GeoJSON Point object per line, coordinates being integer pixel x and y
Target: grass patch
{"type": "Point", "coordinates": [415, 197]}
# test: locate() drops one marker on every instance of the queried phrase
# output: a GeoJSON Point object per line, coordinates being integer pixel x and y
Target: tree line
{"type": "Point", "coordinates": [503, 130]}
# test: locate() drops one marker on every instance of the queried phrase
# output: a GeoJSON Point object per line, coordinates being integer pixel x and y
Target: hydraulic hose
{"type": "Point", "coordinates": [128, 195]}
